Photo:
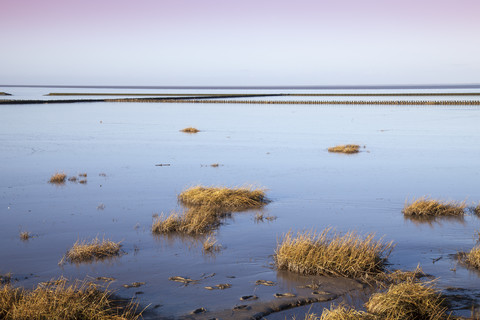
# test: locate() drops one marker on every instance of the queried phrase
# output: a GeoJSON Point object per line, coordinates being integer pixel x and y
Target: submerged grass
{"type": "Point", "coordinates": [96, 249]}
{"type": "Point", "coordinates": [81, 300]}
{"type": "Point", "coordinates": [223, 198]}
{"type": "Point", "coordinates": [329, 253]}
{"type": "Point", "coordinates": [348, 148]}
{"type": "Point", "coordinates": [190, 130]}
{"type": "Point", "coordinates": [425, 206]}
{"type": "Point", "coordinates": [58, 178]}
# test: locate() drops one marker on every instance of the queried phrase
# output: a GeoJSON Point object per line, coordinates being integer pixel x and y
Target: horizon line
{"type": "Point", "coordinates": [410, 86]}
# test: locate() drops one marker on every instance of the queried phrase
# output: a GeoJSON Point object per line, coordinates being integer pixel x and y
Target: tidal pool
{"type": "Point", "coordinates": [410, 151]}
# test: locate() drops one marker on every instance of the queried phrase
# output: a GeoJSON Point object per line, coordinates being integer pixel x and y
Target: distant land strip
{"type": "Point", "coordinates": [357, 102]}
{"type": "Point", "coordinates": [406, 94]}
{"type": "Point", "coordinates": [203, 100]}
{"type": "Point", "coordinates": [4, 94]}
{"type": "Point", "coordinates": [194, 95]}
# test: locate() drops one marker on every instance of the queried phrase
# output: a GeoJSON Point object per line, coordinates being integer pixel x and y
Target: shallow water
{"type": "Point", "coordinates": [409, 152]}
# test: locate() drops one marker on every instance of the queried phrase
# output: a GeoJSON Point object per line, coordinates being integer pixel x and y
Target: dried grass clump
{"type": "Point", "coordinates": [194, 221]}
{"type": "Point", "coordinates": [477, 209]}
{"type": "Point", "coordinates": [408, 300]}
{"type": "Point", "coordinates": [190, 130]}
{"type": "Point", "coordinates": [330, 253]}
{"type": "Point", "coordinates": [348, 148]}
{"type": "Point", "coordinates": [430, 207]}
{"type": "Point", "coordinates": [82, 300]}
{"type": "Point", "coordinates": [223, 198]}
{"type": "Point", "coordinates": [25, 235]}
{"type": "Point", "coordinates": [340, 312]}
{"type": "Point", "coordinates": [84, 251]}
{"type": "Point", "coordinates": [210, 245]}
{"type": "Point", "coordinates": [472, 258]}
{"type": "Point", "coordinates": [58, 178]}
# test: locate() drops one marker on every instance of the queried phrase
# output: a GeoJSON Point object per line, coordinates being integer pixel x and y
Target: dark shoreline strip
{"type": "Point", "coordinates": [208, 100]}
{"type": "Point", "coordinates": [223, 95]}
{"type": "Point", "coordinates": [159, 95]}
{"type": "Point", "coordinates": [4, 94]}
{"type": "Point", "coordinates": [320, 102]}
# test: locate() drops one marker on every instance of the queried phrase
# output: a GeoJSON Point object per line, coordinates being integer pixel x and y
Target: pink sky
{"type": "Point", "coordinates": [213, 42]}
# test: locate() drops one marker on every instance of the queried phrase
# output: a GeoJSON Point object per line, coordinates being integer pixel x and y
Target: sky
{"type": "Point", "coordinates": [239, 43]}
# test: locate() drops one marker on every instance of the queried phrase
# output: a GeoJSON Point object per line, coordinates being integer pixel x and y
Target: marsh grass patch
{"type": "Point", "coordinates": [426, 207]}
{"type": "Point", "coordinates": [476, 209]}
{"type": "Point", "coordinates": [347, 148]}
{"type": "Point", "coordinates": [88, 251]}
{"type": "Point", "coordinates": [332, 254]}
{"type": "Point", "coordinates": [471, 258]}
{"type": "Point", "coordinates": [199, 220]}
{"type": "Point", "coordinates": [190, 130]}
{"type": "Point", "coordinates": [340, 312]}
{"type": "Point", "coordinates": [223, 198]}
{"type": "Point", "coordinates": [80, 300]}
{"type": "Point", "coordinates": [408, 300]}
{"type": "Point", "coordinates": [58, 178]}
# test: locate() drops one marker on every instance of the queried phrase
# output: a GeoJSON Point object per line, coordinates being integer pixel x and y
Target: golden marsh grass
{"type": "Point", "coordinates": [408, 300]}
{"type": "Point", "coordinates": [223, 198]}
{"type": "Point", "coordinates": [425, 206]}
{"type": "Point", "coordinates": [340, 312]}
{"type": "Point", "coordinates": [477, 209]}
{"type": "Point", "coordinates": [348, 148]}
{"type": "Point", "coordinates": [330, 253]}
{"type": "Point", "coordinates": [193, 221]}
{"type": "Point", "coordinates": [81, 300]}
{"type": "Point", "coordinates": [96, 249]}
{"type": "Point", "coordinates": [190, 130]}
{"type": "Point", "coordinates": [472, 258]}
{"type": "Point", "coordinates": [58, 178]}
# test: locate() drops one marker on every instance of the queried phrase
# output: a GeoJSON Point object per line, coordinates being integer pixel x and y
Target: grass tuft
{"type": "Point", "coordinates": [81, 300]}
{"type": "Point", "coordinates": [58, 178]}
{"type": "Point", "coordinates": [86, 251]}
{"type": "Point", "coordinates": [425, 206]}
{"type": "Point", "coordinates": [472, 258]}
{"type": "Point", "coordinates": [210, 245]}
{"type": "Point", "coordinates": [408, 300]}
{"type": "Point", "coordinates": [340, 312]}
{"type": "Point", "coordinates": [194, 221]}
{"type": "Point", "coordinates": [223, 198]}
{"type": "Point", "coordinates": [25, 235]}
{"type": "Point", "coordinates": [348, 148]}
{"type": "Point", "coordinates": [477, 209]}
{"type": "Point", "coordinates": [329, 253]}
{"type": "Point", "coordinates": [190, 130]}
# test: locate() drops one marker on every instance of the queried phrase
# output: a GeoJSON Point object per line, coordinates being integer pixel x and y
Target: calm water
{"type": "Point", "coordinates": [409, 152]}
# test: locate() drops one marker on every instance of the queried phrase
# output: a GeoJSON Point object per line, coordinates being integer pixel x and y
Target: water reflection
{"type": "Point", "coordinates": [433, 221]}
